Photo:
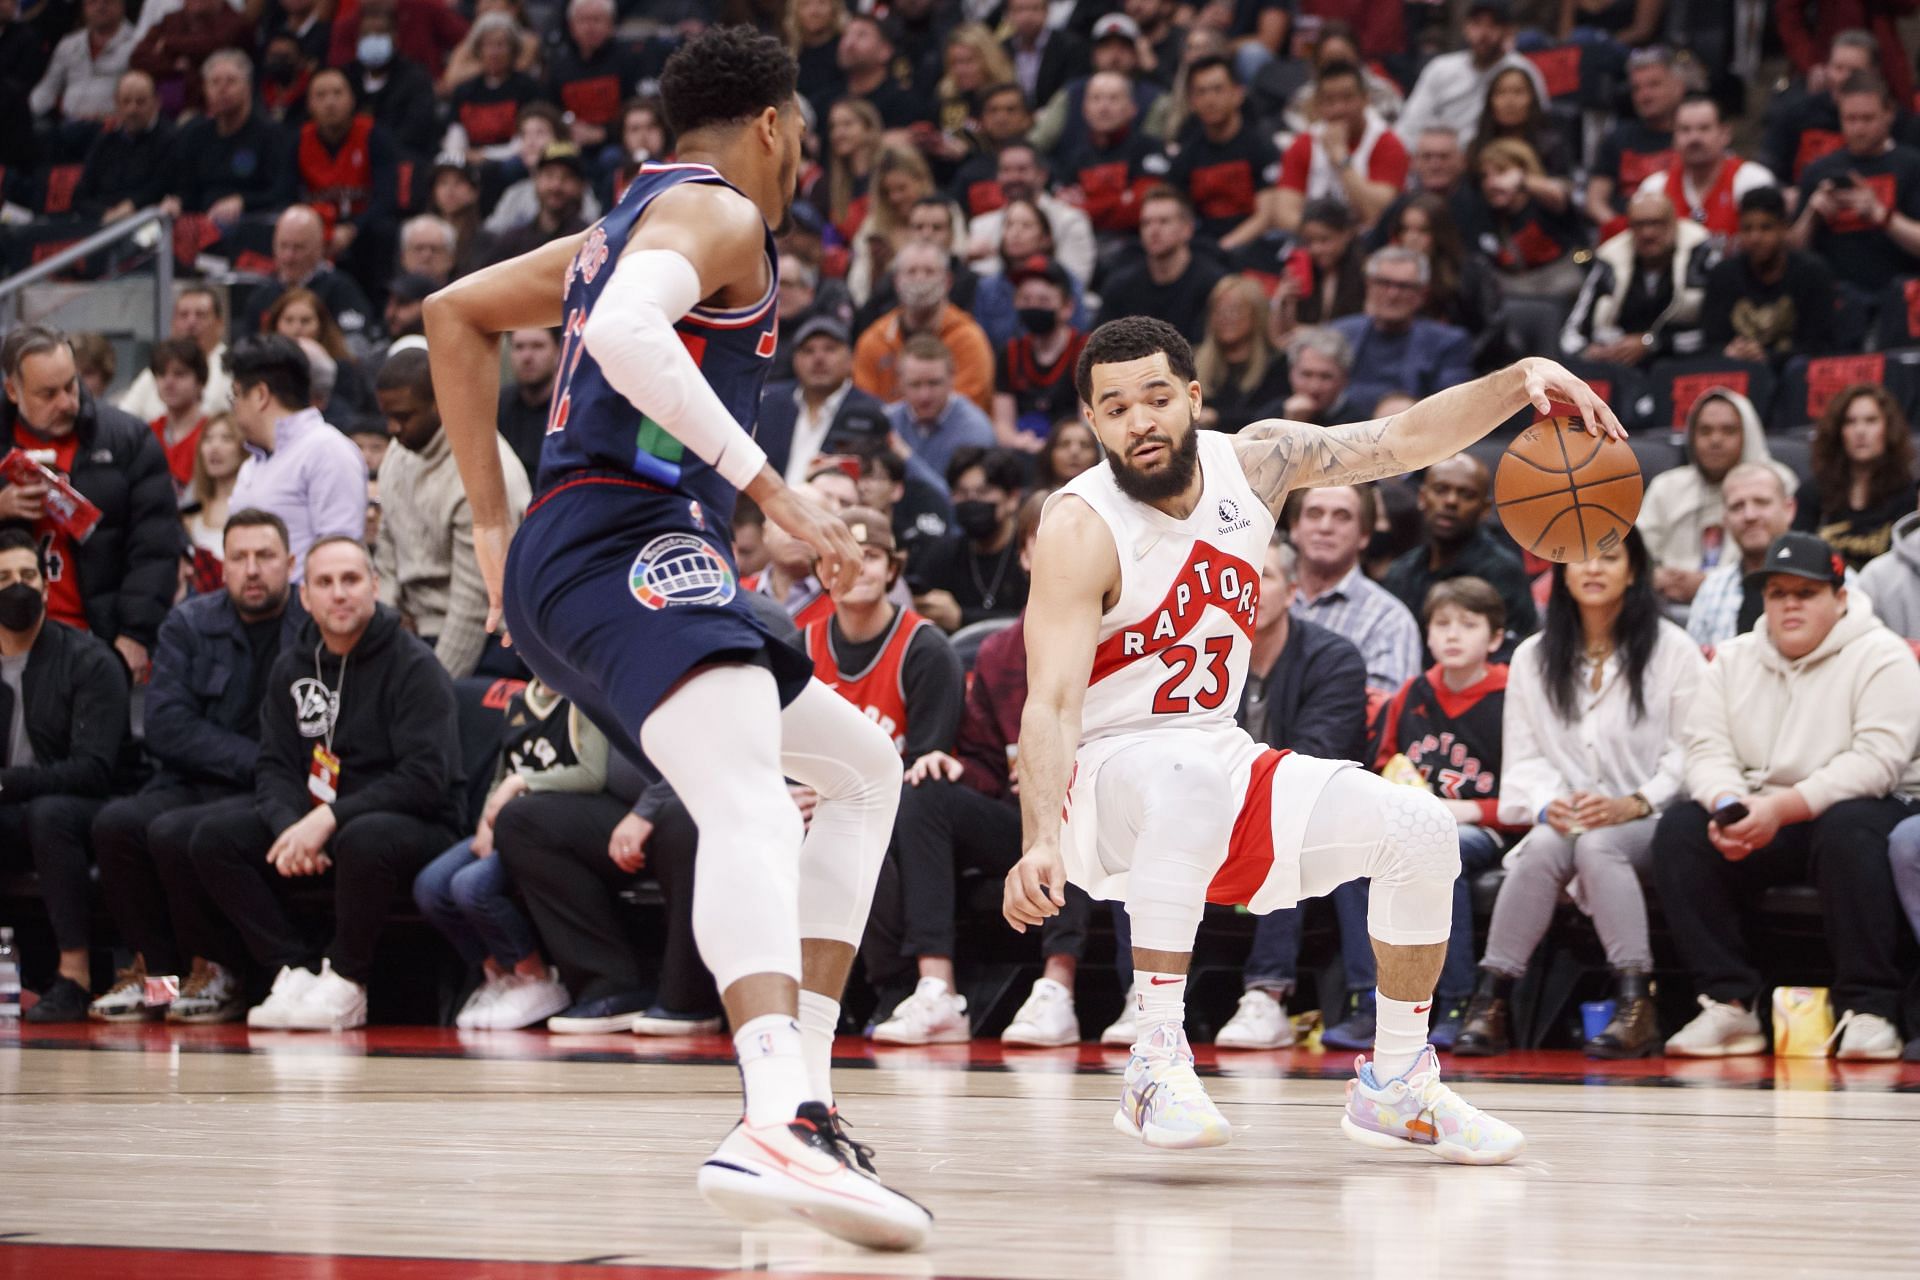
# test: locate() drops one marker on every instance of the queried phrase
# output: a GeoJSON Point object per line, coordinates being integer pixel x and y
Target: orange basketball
{"type": "Point", "coordinates": [1564, 494]}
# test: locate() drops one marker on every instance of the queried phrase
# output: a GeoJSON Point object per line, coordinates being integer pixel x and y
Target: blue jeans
{"type": "Point", "coordinates": [1903, 852]}
{"type": "Point", "coordinates": [1273, 960]}
{"type": "Point", "coordinates": [1480, 849]}
{"type": "Point", "coordinates": [464, 896]}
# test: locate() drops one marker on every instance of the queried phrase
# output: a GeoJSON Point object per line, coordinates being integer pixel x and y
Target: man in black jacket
{"type": "Point", "coordinates": [63, 718]}
{"type": "Point", "coordinates": [359, 773]}
{"type": "Point", "coordinates": [1454, 496]}
{"type": "Point", "coordinates": [128, 167]}
{"type": "Point", "coordinates": [232, 160]}
{"type": "Point", "coordinates": [118, 580]}
{"type": "Point", "coordinates": [203, 726]}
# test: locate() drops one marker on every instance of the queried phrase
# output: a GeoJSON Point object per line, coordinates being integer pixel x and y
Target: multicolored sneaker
{"type": "Point", "coordinates": [1415, 1109]}
{"type": "Point", "coordinates": [1163, 1103]}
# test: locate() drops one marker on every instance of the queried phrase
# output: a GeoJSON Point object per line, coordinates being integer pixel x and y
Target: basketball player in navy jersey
{"type": "Point", "coordinates": [620, 591]}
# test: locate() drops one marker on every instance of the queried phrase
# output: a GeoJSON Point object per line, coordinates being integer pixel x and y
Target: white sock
{"type": "Point", "coordinates": [819, 1019]}
{"type": "Point", "coordinates": [773, 1070]}
{"type": "Point", "coordinates": [1399, 1034]}
{"type": "Point", "coordinates": [1160, 999]}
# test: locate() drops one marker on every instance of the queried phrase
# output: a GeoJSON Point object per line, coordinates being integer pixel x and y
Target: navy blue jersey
{"type": "Point", "coordinates": [591, 426]}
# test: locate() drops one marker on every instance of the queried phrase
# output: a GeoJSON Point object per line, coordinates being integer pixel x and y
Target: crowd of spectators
{"type": "Point", "coordinates": [1343, 204]}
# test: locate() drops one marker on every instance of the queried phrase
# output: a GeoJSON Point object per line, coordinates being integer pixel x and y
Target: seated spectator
{"type": "Point", "coordinates": [1319, 369]}
{"type": "Point", "coordinates": [94, 360]}
{"type": "Point", "coordinates": [232, 160]}
{"type": "Point", "coordinates": [1462, 289]}
{"type": "Point", "coordinates": [1349, 156]}
{"type": "Point", "coordinates": [1758, 498]}
{"type": "Point", "coordinates": [1860, 210]}
{"type": "Point", "coordinates": [899, 181]}
{"type": "Point", "coordinates": [873, 71]}
{"type": "Point", "coordinates": [1324, 276]}
{"type": "Point", "coordinates": [300, 21]}
{"type": "Point", "coordinates": [1021, 174]}
{"type": "Point", "coordinates": [302, 469]}
{"type": "Point", "coordinates": [424, 555]}
{"type": "Point", "coordinates": [173, 49]}
{"type": "Point", "coordinates": [1116, 164]}
{"type": "Point", "coordinates": [1336, 42]}
{"type": "Point", "coordinates": [129, 165]}
{"type": "Point", "coordinates": [1638, 145]}
{"type": "Point", "coordinates": [1529, 244]}
{"type": "Point", "coordinates": [396, 92]}
{"type": "Point", "coordinates": [1452, 88]}
{"type": "Point", "coordinates": [1592, 750]}
{"type": "Point", "coordinates": [843, 193]}
{"type": "Point", "coordinates": [199, 314]}
{"type": "Point", "coordinates": [486, 106]}
{"type": "Point", "coordinates": [464, 62]}
{"type": "Point", "coordinates": [1453, 499]}
{"type": "Point", "coordinates": [560, 182]}
{"type": "Point", "coordinates": [972, 61]}
{"type": "Point", "coordinates": [1394, 346]}
{"type": "Point", "coordinates": [1891, 579]}
{"type": "Point", "coordinates": [1862, 474]}
{"type": "Point", "coordinates": [1044, 57]}
{"type": "Point", "coordinates": [1767, 301]}
{"type": "Point", "coordinates": [83, 75]}
{"type": "Point", "coordinates": [934, 220]}
{"type": "Point", "coordinates": [179, 371]}
{"type": "Point", "coordinates": [349, 175]}
{"type": "Point", "coordinates": [931, 419]}
{"type": "Point", "coordinates": [1070, 449]}
{"type": "Point", "coordinates": [1025, 234]}
{"type": "Point", "coordinates": [285, 74]}
{"type": "Point", "coordinates": [799, 416]}
{"type": "Point", "coordinates": [359, 776]}
{"type": "Point", "coordinates": [1642, 297]}
{"type": "Point", "coordinates": [1516, 108]}
{"type": "Point", "coordinates": [540, 127]}
{"type": "Point", "coordinates": [1060, 128]}
{"type": "Point", "coordinates": [1682, 515]}
{"type": "Point", "coordinates": [1171, 282]}
{"type": "Point", "coordinates": [1706, 178]}
{"type": "Point", "coordinates": [216, 465]}
{"type": "Point", "coordinates": [300, 262]}
{"type": "Point", "coordinates": [912, 496]}
{"type": "Point", "coordinates": [1856, 41]}
{"type": "Point", "coordinates": [644, 138]}
{"type": "Point", "coordinates": [1034, 374]}
{"type": "Point", "coordinates": [1799, 764]}
{"type": "Point", "coordinates": [63, 698]}
{"type": "Point", "coordinates": [466, 892]}
{"type": "Point", "coordinates": [119, 580]}
{"type": "Point", "coordinates": [404, 322]}
{"type": "Point", "coordinates": [1004, 121]}
{"type": "Point", "coordinates": [202, 722]}
{"type": "Point", "coordinates": [1330, 529]}
{"type": "Point", "coordinates": [341, 389]}
{"type": "Point", "coordinates": [1226, 165]}
{"type": "Point", "coordinates": [1444, 726]}
{"type": "Point", "coordinates": [975, 574]}
{"type": "Point", "coordinates": [533, 355]}
{"type": "Point", "coordinates": [423, 32]}
{"type": "Point", "coordinates": [591, 73]}
{"type": "Point", "coordinates": [922, 278]}
{"type": "Point", "coordinates": [1238, 369]}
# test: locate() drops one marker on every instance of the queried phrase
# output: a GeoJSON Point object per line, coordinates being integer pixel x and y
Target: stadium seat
{"type": "Point", "coordinates": [1809, 382]}
{"type": "Point", "coordinates": [967, 640]}
{"type": "Point", "coordinates": [1677, 384]}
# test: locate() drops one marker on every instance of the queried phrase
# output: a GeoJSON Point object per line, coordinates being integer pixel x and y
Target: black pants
{"type": "Point", "coordinates": [49, 833]}
{"type": "Point", "coordinates": [375, 858]}
{"type": "Point", "coordinates": [1843, 851]}
{"type": "Point", "coordinates": [555, 847]}
{"type": "Point", "coordinates": [943, 828]}
{"type": "Point", "coordinates": [146, 873]}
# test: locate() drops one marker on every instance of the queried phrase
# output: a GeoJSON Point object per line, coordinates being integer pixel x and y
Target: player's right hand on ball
{"type": "Point", "coordinates": [806, 518]}
{"type": "Point", "coordinates": [1036, 888]}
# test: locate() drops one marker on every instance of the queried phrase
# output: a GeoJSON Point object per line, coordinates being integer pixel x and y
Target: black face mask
{"type": "Point", "coordinates": [280, 70]}
{"type": "Point", "coordinates": [20, 607]}
{"type": "Point", "coordinates": [976, 518]}
{"type": "Point", "coordinates": [1038, 321]}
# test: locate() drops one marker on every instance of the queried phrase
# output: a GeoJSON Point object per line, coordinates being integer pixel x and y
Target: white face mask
{"type": "Point", "coordinates": [375, 50]}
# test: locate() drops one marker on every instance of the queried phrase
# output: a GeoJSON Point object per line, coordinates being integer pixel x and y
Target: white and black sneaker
{"type": "Point", "coordinates": [126, 999]}
{"type": "Point", "coordinates": [802, 1170]}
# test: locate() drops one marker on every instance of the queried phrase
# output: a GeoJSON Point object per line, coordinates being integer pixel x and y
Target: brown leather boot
{"type": "Point", "coordinates": [1485, 1033]}
{"type": "Point", "coordinates": [1635, 1029]}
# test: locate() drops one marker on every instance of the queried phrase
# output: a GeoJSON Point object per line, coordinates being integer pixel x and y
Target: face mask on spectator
{"type": "Point", "coordinates": [280, 70]}
{"type": "Point", "coordinates": [977, 518]}
{"type": "Point", "coordinates": [375, 50]}
{"type": "Point", "coordinates": [20, 606]}
{"type": "Point", "coordinates": [1039, 321]}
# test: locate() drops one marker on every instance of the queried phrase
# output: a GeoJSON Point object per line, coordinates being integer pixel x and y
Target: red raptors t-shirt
{"type": "Point", "coordinates": [63, 588]}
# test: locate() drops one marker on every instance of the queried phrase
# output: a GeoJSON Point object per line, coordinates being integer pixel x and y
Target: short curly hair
{"type": "Point", "coordinates": [1132, 338]}
{"type": "Point", "coordinates": [724, 75]}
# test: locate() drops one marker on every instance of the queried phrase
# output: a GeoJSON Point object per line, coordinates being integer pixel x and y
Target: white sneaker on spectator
{"type": "Point", "coordinates": [480, 1001]}
{"type": "Point", "coordinates": [1718, 1031]}
{"type": "Point", "coordinates": [126, 1000]}
{"type": "Point", "coordinates": [524, 1001]}
{"type": "Point", "coordinates": [208, 995]}
{"type": "Point", "coordinates": [329, 1003]}
{"type": "Point", "coordinates": [931, 1015]}
{"type": "Point", "coordinates": [1046, 1020]}
{"type": "Point", "coordinates": [288, 986]}
{"type": "Point", "coordinates": [1121, 1030]}
{"type": "Point", "coordinates": [1260, 1022]}
{"type": "Point", "coordinates": [1866, 1037]}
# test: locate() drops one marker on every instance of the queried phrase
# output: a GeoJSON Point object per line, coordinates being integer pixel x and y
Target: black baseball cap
{"type": "Point", "coordinates": [860, 431]}
{"type": "Point", "coordinates": [1499, 10]}
{"type": "Point", "coordinates": [822, 323]}
{"type": "Point", "coordinates": [566, 155]}
{"type": "Point", "coordinates": [1800, 555]}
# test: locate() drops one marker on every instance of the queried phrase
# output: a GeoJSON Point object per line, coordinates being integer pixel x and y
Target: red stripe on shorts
{"type": "Point", "coordinates": [1250, 848]}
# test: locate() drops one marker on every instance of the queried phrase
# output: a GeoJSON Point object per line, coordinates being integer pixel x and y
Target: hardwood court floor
{"type": "Point", "coordinates": [213, 1153]}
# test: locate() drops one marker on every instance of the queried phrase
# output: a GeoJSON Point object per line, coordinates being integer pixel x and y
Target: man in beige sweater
{"type": "Point", "coordinates": [424, 552]}
{"type": "Point", "coordinates": [1800, 761]}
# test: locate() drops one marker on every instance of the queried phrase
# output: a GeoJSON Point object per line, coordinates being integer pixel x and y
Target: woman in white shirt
{"type": "Point", "coordinates": [1591, 750]}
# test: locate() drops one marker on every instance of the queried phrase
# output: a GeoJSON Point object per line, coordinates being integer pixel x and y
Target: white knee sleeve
{"type": "Point", "coordinates": [716, 739]}
{"type": "Point", "coordinates": [1185, 809]}
{"type": "Point", "coordinates": [1403, 839]}
{"type": "Point", "coordinates": [827, 744]}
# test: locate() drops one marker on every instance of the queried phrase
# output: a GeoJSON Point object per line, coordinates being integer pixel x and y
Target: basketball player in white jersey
{"type": "Point", "coordinates": [1136, 783]}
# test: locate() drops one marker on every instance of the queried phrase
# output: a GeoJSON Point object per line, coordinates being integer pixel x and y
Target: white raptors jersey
{"type": "Point", "coordinates": [1174, 647]}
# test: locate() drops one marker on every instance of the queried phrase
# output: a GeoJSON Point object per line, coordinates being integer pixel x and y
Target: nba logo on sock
{"type": "Point", "coordinates": [678, 568]}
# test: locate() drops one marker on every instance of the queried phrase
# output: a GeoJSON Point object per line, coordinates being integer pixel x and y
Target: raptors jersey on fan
{"type": "Point", "coordinates": [1171, 658]}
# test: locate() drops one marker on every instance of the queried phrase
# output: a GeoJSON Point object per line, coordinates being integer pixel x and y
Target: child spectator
{"type": "Point", "coordinates": [179, 371]}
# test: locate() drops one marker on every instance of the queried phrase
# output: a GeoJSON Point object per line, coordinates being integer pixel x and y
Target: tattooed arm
{"type": "Point", "coordinates": [1280, 456]}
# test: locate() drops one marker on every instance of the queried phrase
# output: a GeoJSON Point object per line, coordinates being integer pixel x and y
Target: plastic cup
{"type": "Point", "coordinates": [1595, 1015]}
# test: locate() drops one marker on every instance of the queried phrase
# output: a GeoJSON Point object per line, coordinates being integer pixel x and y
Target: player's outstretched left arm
{"type": "Point", "coordinates": [1280, 456]}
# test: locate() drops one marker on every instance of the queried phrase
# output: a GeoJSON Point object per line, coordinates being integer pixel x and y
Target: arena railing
{"type": "Point", "coordinates": [13, 287]}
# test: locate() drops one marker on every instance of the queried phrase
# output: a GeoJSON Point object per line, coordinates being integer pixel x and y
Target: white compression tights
{"type": "Point", "coordinates": [723, 742]}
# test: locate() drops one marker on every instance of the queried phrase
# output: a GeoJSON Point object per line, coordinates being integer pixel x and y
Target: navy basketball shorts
{"type": "Point", "coordinates": [616, 589]}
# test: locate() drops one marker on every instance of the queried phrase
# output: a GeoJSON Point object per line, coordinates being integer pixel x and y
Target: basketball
{"type": "Point", "coordinates": [1565, 494]}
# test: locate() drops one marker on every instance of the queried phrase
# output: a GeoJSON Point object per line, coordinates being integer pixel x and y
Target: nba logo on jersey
{"type": "Point", "coordinates": [678, 568]}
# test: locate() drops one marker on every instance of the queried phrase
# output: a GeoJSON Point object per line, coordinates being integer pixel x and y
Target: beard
{"type": "Point", "coordinates": [1183, 460]}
